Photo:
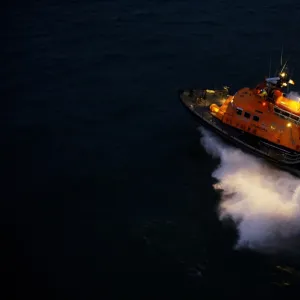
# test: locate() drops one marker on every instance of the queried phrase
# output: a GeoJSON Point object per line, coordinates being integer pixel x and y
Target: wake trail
{"type": "Point", "coordinates": [263, 201]}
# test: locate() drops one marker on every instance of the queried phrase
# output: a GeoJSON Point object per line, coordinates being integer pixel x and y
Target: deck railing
{"type": "Point", "coordinates": [286, 115]}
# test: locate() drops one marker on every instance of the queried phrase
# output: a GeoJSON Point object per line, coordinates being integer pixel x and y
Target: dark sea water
{"type": "Point", "coordinates": [107, 192]}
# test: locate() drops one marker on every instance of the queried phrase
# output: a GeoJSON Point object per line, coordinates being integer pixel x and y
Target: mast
{"type": "Point", "coordinates": [270, 64]}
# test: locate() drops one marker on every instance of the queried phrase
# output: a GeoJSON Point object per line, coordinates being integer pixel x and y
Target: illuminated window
{"type": "Point", "coordinates": [247, 115]}
{"type": "Point", "coordinates": [255, 118]}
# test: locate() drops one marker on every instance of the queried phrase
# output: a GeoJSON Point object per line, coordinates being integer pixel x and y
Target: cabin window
{"type": "Point", "coordinates": [277, 110]}
{"type": "Point", "coordinates": [247, 115]}
{"type": "Point", "coordinates": [255, 118]}
{"type": "Point", "coordinates": [295, 118]}
{"type": "Point", "coordinates": [239, 111]}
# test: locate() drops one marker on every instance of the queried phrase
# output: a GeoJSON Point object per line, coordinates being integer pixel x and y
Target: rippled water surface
{"type": "Point", "coordinates": [109, 191]}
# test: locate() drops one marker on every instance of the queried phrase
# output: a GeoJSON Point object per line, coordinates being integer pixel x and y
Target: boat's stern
{"type": "Point", "coordinates": [190, 98]}
{"type": "Point", "coordinates": [195, 99]}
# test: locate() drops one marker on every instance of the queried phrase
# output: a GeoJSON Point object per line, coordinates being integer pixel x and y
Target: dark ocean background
{"type": "Point", "coordinates": [107, 192]}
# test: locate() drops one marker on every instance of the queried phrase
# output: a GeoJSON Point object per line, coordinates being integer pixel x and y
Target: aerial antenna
{"type": "Point", "coordinates": [292, 72]}
{"type": "Point", "coordinates": [290, 80]}
{"type": "Point", "coordinates": [270, 66]}
{"type": "Point", "coordinates": [281, 55]}
{"type": "Point", "coordinates": [283, 67]}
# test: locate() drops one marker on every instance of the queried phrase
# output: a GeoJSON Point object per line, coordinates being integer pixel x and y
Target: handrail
{"type": "Point", "coordinates": [272, 146]}
{"type": "Point", "coordinates": [281, 111]}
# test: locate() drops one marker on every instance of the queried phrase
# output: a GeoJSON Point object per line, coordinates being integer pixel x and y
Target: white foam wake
{"type": "Point", "coordinates": [263, 201]}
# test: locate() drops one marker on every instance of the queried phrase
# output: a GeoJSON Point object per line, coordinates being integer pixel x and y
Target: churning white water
{"type": "Point", "coordinates": [263, 201]}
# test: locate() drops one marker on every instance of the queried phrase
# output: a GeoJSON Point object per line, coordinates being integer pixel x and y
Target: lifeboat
{"type": "Point", "coordinates": [263, 119]}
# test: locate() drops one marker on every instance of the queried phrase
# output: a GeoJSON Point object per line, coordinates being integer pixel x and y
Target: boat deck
{"type": "Point", "coordinates": [200, 107]}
